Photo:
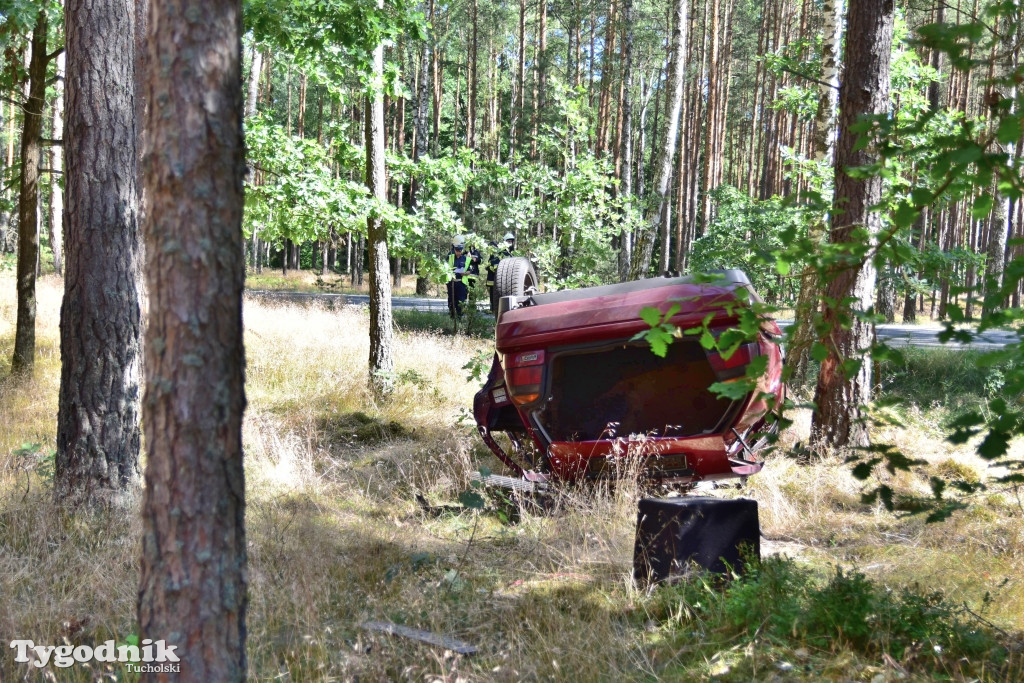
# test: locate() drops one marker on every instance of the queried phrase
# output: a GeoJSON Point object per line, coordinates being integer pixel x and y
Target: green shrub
{"type": "Point", "coordinates": [791, 607]}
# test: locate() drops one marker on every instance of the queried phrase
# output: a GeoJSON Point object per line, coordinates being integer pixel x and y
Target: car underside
{"type": "Point", "coordinates": [576, 395]}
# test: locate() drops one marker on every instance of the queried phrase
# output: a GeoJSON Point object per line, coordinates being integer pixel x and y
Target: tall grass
{"type": "Point", "coordinates": [336, 538]}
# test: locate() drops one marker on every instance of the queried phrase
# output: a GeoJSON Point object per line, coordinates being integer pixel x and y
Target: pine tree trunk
{"type": "Point", "coordinates": [604, 109]}
{"type": "Point", "coordinates": [97, 461]}
{"type": "Point", "coordinates": [995, 263]}
{"type": "Point", "coordinates": [193, 586]}
{"type": "Point", "coordinates": [864, 89]}
{"type": "Point", "coordinates": [626, 179]}
{"type": "Point", "coordinates": [57, 166]}
{"type": "Point", "coordinates": [824, 137]}
{"type": "Point", "coordinates": [674, 101]}
{"type": "Point", "coordinates": [28, 200]}
{"type": "Point", "coordinates": [471, 89]}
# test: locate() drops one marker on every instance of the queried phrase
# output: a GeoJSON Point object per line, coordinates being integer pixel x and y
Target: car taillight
{"type": "Point", "coordinates": [524, 376]}
{"type": "Point", "coordinates": [735, 365]}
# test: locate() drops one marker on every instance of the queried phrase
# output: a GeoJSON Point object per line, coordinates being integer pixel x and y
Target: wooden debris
{"type": "Point", "coordinates": [447, 643]}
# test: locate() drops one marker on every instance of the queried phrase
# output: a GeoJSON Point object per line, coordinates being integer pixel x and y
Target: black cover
{"type": "Point", "coordinates": [673, 532]}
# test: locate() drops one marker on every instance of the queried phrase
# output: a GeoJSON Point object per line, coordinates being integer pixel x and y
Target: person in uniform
{"type": "Point", "coordinates": [463, 271]}
{"type": "Point", "coordinates": [498, 252]}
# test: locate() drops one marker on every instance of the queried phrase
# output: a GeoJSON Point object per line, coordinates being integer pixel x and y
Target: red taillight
{"type": "Point", "coordinates": [524, 375]}
{"type": "Point", "coordinates": [735, 365]}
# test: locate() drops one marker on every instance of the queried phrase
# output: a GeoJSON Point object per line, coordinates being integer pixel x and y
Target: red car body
{"type": "Point", "coordinates": [577, 397]}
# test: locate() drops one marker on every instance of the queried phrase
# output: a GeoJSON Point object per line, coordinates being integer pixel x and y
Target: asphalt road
{"type": "Point", "coordinates": [894, 335]}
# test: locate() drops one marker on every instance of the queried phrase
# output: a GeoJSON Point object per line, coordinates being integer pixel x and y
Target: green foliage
{"type": "Point", "coordinates": [300, 198]}
{"type": "Point", "coordinates": [778, 602]}
{"type": "Point", "coordinates": [751, 235]}
{"type": "Point", "coordinates": [336, 36]}
{"type": "Point", "coordinates": [661, 331]}
{"type": "Point", "coordinates": [34, 458]}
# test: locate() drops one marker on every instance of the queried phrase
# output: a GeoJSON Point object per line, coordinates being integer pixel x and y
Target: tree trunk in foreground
{"type": "Point", "coordinates": [28, 240]}
{"type": "Point", "coordinates": [382, 359]}
{"type": "Point", "coordinates": [97, 460]}
{"type": "Point", "coordinates": [844, 383]}
{"type": "Point", "coordinates": [193, 583]}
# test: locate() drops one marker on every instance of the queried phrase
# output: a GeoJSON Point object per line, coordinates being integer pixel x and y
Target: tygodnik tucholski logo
{"type": "Point", "coordinates": [150, 657]}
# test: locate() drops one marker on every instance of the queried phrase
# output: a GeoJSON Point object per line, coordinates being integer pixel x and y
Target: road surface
{"type": "Point", "coordinates": [893, 334]}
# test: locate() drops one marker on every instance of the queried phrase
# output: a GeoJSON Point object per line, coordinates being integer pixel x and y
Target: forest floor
{"type": "Point", "coordinates": [847, 591]}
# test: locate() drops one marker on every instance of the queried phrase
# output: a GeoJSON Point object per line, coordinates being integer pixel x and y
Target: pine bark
{"type": "Point", "coordinates": [97, 461]}
{"type": "Point", "coordinates": [28, 200]}
{"type": "Point", "coordinates": [864, 90]}
{"type": "Point", "coordinates": [193, 587]}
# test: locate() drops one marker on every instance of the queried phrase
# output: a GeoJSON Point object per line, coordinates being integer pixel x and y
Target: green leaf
{"type": "Point", "coordinates": [734, 390]}
{"type": "Point", "coordinates": [658, 346]}
{"type": "Point", "coordinates": [650, 315]}
{"type": "Point", "coordinates": [982, 206]}
{"type": "Point", "coordinates": [471, 500]}
{"type": "Point", "coordinates": [1009, 130]}
{"type": "Point", "coordinates": [707, 340]}
{"type": "Point", "coordinates": [782, 266]}
{"type": "Point", "coordinates": [819, 351]}
{"type": "Point", "coordinates": [966, 154]}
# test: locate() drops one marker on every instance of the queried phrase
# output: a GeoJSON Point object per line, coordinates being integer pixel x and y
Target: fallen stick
{"type": "Point", "coordinates": [447, 643]}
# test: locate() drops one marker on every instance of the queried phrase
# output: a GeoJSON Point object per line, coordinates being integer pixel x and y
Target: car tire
{"type": "Point", "coordinates": [515, 276]}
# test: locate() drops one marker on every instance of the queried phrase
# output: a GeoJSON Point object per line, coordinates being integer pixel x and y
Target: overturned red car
{"type": "Point", "coordinates": [576, 396]}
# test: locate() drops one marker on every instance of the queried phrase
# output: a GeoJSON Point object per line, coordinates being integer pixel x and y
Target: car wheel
{"type": "Point", "coordinates": [515, 276]}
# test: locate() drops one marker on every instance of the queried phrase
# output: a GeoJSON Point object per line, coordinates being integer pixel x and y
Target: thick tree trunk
{"type": "Point", "coordinates": [657, 205]}
{"type": "Point", "coordinates": [28, 200]}
{"type": "Point", "coordinates": [193, 586]}
{"type": "Point", "coordinates": [97, 461]}
{"type": "Point", "coordinates": [844, 383]}
{"type": "Point", "coordinates": [382, 360]}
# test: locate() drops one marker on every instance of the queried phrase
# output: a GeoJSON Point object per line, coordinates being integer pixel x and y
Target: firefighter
{"type": "Point", "coordinates": [463, 271]}
{"type": "Point", "coordinates": [498, 252]}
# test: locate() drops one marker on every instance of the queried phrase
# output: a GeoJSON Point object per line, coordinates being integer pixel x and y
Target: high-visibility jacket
{"type": "Point", "coordinates": [465, 261]}
{"type": "Point", "coordinates": [493, 261]}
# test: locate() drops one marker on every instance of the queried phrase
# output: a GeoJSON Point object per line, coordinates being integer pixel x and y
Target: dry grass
{"type": "Point", "coordinates": [337, 539]}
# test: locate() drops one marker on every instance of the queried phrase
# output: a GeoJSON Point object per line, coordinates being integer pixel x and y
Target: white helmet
{"type": "Point", "coordinates": [459, 242]}
{"type": "Point", "coordinates": [509, 237]}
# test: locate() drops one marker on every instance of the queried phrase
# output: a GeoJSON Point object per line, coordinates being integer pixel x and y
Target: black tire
{"type": "Point", "coordinates": [515, 276]}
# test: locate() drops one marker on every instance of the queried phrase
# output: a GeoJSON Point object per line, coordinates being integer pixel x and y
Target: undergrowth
{"type": "Point", "coordinates": [336, 484]}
